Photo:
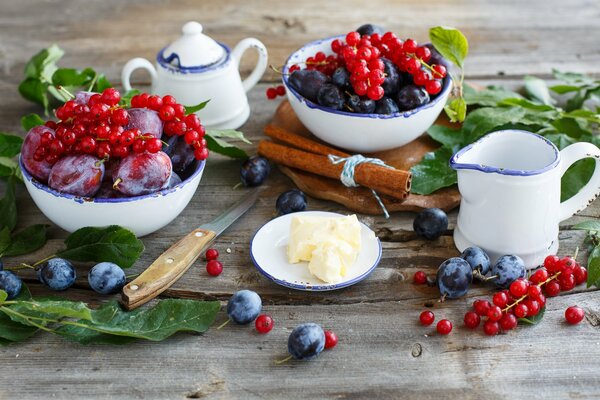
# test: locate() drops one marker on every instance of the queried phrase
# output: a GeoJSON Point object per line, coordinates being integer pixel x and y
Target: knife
{"type": "Point", "coordinates": [174, 262]}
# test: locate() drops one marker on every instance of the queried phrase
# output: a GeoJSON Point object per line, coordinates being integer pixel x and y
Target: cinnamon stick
{"type": "Point", "coordinates": [301, 142]}
{"type": "Point", "coordinates": [393, 182]}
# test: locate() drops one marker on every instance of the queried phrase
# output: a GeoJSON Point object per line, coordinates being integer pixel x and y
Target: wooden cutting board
{"type": "Point", "coordinates": [361, 199]}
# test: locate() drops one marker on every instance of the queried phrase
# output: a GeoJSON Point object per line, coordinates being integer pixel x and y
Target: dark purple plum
{"type": "Point", "coordinates": [361, 105]}
{"type": "Point", "coordinates": [83, 97]}
{"type": "Point", "coordinates": [341, 78]}
{"type": "Point", "coordinates": [331, 96]}
{"type": "Point", "coordinates": [40, 170]}
{"type": "Point", "coordinates": [80, 175]}
{"type": "Point", "coordinates": [106, 191]}
{"type": "Point", "coordinates": [411, 97]}
{"type": "Point", "coordinates": [386, 106]}
{"type": "Point", "coordinates": [142, 173]}
{"type": "Point", "coordinates": [181, 153]}
{"type": "Point", "coordinates": [369, 29]}
{"type": "Point", "coordinates": [308, 82]}
{"type": "Point", "coordinates": [146, 121]}
{"type": "Point", "coordinates": [393, 80]}
{"type": "Point", "coordinates": [174, 180]}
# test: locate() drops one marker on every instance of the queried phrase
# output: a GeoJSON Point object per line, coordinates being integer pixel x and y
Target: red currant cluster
{"type": "Point", "coordinates": [176, 121]}
{"type": "Point", "coordinates": [273, 92]}
{"type": "Point", "coordinates": [97, 126]}
{"type": "Point", "coordinates": [214, 267]}
{"type": "Point", "coordinates": [526, 297]}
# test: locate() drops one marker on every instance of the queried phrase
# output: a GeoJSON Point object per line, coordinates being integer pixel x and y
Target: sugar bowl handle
{"type": "Point", "coordinates": [591, 190]}
{"type": "Point", "coordinates": [261, 65]}
{"type": "Point", "coordinates": [131, 66]}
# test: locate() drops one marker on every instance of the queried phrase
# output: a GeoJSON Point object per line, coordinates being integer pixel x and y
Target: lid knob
{"type": "Point", "coordinates": [192, 28]}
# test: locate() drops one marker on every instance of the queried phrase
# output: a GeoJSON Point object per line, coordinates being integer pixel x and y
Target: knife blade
{"type": "Point", "coordinates": [174, 262]}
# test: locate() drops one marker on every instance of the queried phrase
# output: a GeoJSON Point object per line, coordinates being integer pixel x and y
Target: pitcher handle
{"type": "Point", "coordinates": [131, 66]}
{"type": "Point", "coordinates": [591, 190]}
{"type": "Point", "coordinates": [261, 65]}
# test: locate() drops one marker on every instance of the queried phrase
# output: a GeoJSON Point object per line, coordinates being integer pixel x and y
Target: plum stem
{"type": "Point", "coordinates": [116, 184]}
{"type": "Point", "coordinates": [489, 278]}
{"type": "Point", "coordinates": [279, 362]}
{"type": "Point", "coordinates": [222, 325]}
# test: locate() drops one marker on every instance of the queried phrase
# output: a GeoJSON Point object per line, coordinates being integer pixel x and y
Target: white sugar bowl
{"type": "Point", "coordinates": [195, 68]}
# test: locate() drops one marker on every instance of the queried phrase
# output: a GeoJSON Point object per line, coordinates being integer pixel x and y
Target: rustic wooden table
{"type": "Point", "coordinates": [383, 352]}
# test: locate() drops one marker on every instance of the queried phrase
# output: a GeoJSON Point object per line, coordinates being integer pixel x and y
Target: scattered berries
{"type": "Point", "coordinates": [444, 327]}
{"type": "Point", "coordinates": [211, 254]}
{"type": "Point", "coordinates": [214, 268]}
{"type": "Point", "coordinates": [491, 328]}
{"type": "Point", "coordinates": [273, 92]}
{"type": "Point", "coordinates": [472, 319]}
{"type": "Point", "coordinates": [263, 323]}
{"type": "Point", "coordinates": [574, 315]}
{"type": "Point", "coordinates": [420, 278]}
{"type": "Point", "coordinates": [331, 339]}
{"type": "Point", "coordinates": [426, 318]}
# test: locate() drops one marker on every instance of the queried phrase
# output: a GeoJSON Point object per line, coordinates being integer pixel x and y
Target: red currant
{"type": "Point", "coordinates": [491, 328]}
{"type": "Point", "coordinates": [433, 87]}
{"type": "Point", "coordinates": [191, 136]}
{"type": "Point", "coordinates": [423, 53]}
{"type": "Point", "coordinates": [539, 276]}
{"type": "Point", "coordinates": [426, 318]}
{"type": "Point", "coordinates": [533, 307]}
{"type": "Point", "coordinates": [211, 254]}
{"type": "Point", "coordinates": [56, 147]}
{"type": "Point", "coordinates": [120, 151]}
{"type": "Point", "coordinates": [139, 146]}
{"type": "Point", "coordinates": [88, 145]}
{"type": "Point", "coordinates": [271, 93]}
{"type": "Point", "coordinates": [566, 281]}
{"type": "Point", "coordinates": [521, 310]}
{"type": "Point", "coordinates": [444, 327]}
{"type": "Point", "coordinates": [153, 145]}
{"type": "Point", "coordinates": [494, 313]}
{"type": "Point", "coordinates": [519, 288]}
{"type": "Point", "coordinates": [180, 128]}
{"type": "Point", "coordinates": [155, 103]}
{"type": "Point", "coordinates": [580, 274]}
{"type": "Point", "coordinates": [500, 299]}
{"type": "Point", "coordinates": [263, 323]}
{"type": "Point", "coordinates": [481, 307]}
{"type": "Point", "coordinates": [214, 267]}
{"type": "Point", "coordinates": [166, 112]}
{"type": "Point", "coordinates": [201, 154]}
{"type": "Point", "coordinates": [111, 96]}
{"type": "Point", "coordinates": [439, 71]}
{"type": "Point", "coordinates": [574, 315]}
{"type": "Point", "coordinates": [353, 38]}
{"type": "Point", "coordinates": [103, 150]}
{"type": "Point", "coordinates": [551, 261]}
{"type": "Point", "coordinates": [508, 322]}
{"type": "Point", "coordinates": [375, 92]}
{"type": "Point", "coordinates": [99, 111]}
{"type": "Point", "coordinates": [280, 90]}
{"type": "Point", "coordinates": [420, 278]}
{"type": "Point", "coordinates": [192, 121]}
{"type": "Point", "coordinates": [331, 339]}
{"type": "Point", "coordinates": [472, 319]}
{"type": "Point", "coordinates": [409, 46]}
{"type": "Point", "coordinates": [552, 289]}
{"type": "Point", "coordinates": [413, 65]}
{"type": "Point", "coordinates": [534, 292]}
{"type": "Point", "coordinates": [336, 45]}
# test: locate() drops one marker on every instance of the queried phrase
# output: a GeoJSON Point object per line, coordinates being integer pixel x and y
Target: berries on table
{"type": "Point", "coordinates": [500, 299]}
{"type": "Point", "coordinates": [244, 306]}
{"type": "Point", "coordinates": [574, 315]}
{"type": "Point", "coordinates": [420, 278]}
{"type": "Point", "coordinates": [426, 318]}
{"type": "Point", "coordinates": [293, 200]}
{"type": "Point", "coordinates": [507, 269]}
{"type": "Point", "coordinates": [306, 341]}
{"type": "Point", "coordinates": [254, 171]}
{"type": "Point", "coordinates": [477, 259]}
{"type": "Point", "coordinates": [211, 254]}
{"type": "Point", "coordinates": [430, 223]}
{"type": "Point", "coordinates": [214, 267]}
{"type": "Point", "coordinates": [508, 322]}
{"type": "Point", "coordinates": [519, 288]}
{"type": "Point", "coordinates": [472, 319]}
{"type": "Point", "coordinates": [263, 323]}
{"type": "Point", "coordinates": [444, 327]}
{"type": "Point", "coordinates": [552, 289]}
{"type": "Point", "coordinates": [481, 307]}
{"type": "Point", "coordinates": [10, 283]}
{"type": "Point", "coordinates": [454, 277]}
{"type": "Point", "coordinates": [491, 328]}
{"type": "Point", "coordinates": [494, 313]}
{"type": "Point", "coordinates": [57, 274]}
{"type": "Point", "coordinates": [106, 278]}
{"type": "Point", "coordinates": [331, 339]}
{"type": "Point", "coordinates": [580, 274]}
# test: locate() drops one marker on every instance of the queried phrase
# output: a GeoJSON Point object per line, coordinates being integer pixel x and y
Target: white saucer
{"type": "Point", "coordinates": [268, 250]}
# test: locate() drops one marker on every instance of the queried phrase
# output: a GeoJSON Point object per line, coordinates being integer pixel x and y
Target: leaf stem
{"type": "Point", "coordinates": [279, 362]}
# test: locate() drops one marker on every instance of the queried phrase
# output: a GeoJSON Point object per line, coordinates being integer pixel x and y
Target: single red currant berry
{"type": "Point", "coordinates": [426, 318]}
{"type": "Point", "coordinates": [201, 154]}
{"type": "Point", "coordinates": [56, 147]}
{"type": "Point", "coordinates": [153, 145]}
{"type": "Point", "coordinates": [69, 138]}
{"type": "Point", "coordinates": [191, 136]}
{"type": "Point", "coordinates": [409, 46]}
{"type": "Point", "coordinates": [423, 53]}
{"type": "Point", "coordinates": [88, 145]}
{"type": "Point", "coordinates": [533, 307]}
{"type": "Point", "coordinates": [500, 299]}
{"type": "Point", "coordinates": [135, 101]}
{"type": "Point", "coordinates": [280, 90]}
{"type": "Point", "coordinates": [491, 328]}
{"type": "Point", "coordinates": [421, 78]}
{"type": "Point", "coordinates": [520, 310]}
{"type": "Point", "coordinates": [120, 151]}
{"type": "Point", "coordinates": [508, 322]}
{"type": "Point", "coordinates": [444, 327]}
{"type": "Point", "coordinates": [541, 300]}
{"type": "Point", "coordinates": [580, 274]}
{"type": "Point", "coordinates": [40, 154]}
{"type": "Point", "coordinates": [169, 100]}
{"type": "Point", "coordinates": [472, 319]}
{"type": "Point", "coordinates": [375, 92]}
{"type": "Point", "coordinates": [155, 103]}
{"type": "Point", "coordinates": [111, 96]}
{"type": "Point", "coordinates": [46, 139]}
{"type": "Point", "coordinates": [352, 38]}
{"type": "Point", "coordinates": [180, 128]}
{"type": "Point", "coordinates": [179, 110]}
{"type": "Point", "coordinates": [99, 111]}
{"type": "Point", "coordinates": [139, 146]}
{"type": "Point", "coordinates": [375, 39]}
{"type": "Point", "coordinates": [271, 93]}
{"type": "Point", "coordinates": [519, 288]}
{"type": "Point", "coordinates": [574, 315]}
{"type": "Point", "coordinates": [566, 281]}
{"type": "Point", "coordinates": [420, 278]}
{"type": "Point", "coordinates": [331, 339]}
{"type": "Point", "coordinates": [192, 121]}
{"type": "Point", "coordinates": [494, 313]}
{"type": "Point", "coordinates": [361, 88]}
{"type": "Point", "coordinates": [294, 67]}
{"type": "Point", "coordinates": [166, 112]}
{"type": "Point", "coordinates": [51, 124]}
{"type": "Point", "coordinates": [439, 71]}
{"type": "Point", "coordinates": [481, 307]}
{"type": "Point", "coordinates": [433, 87]}
{"type": "Point", "coordinates": [214, 267]}
{"type": "Point", "coordinates": [534, 291]}
{"type": "Point", "coordinates": [539, 276]}
{"type": "Point", "coordinates": [551, 261]}
{"type": "Point", "coordinates": [103, 150]}
{"type": "Point", "coordinates": [376, 64]}
{"type": "Point", "coordinates": [567, 262]}
{"type": "Point", "coordinates": [263, 323]}
{"type": "Point", "coordinates": [211, 254]}
{"type": "Point", "coordinates": [552, 288]}
{"type": "Point", "coordinates": [336, 45]}
{"type": "Point", "coordinates": [127, 137]}
{"type": "Point", "coordinates": [413, 65]}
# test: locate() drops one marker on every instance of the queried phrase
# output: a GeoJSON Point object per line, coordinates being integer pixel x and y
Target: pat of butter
{"type": "Point", "coordinates": [330, 244]}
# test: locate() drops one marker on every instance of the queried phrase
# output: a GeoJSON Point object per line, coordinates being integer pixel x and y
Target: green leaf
{"type": "Point", "coordinates": [13, 331]}
{"type": "Point", "coordinates": [43, 64]}
{"type": "Point", "coordinates": [538, 90]}
{"type": "Point", "coordinates": [53, 309]}
{"type": "Point", "coordinates": [535, 319]}
{"type": "Point", "coordinates": [576, 177]}
{"type": "Point", "coordinates": [433, 172]}
{"type": "Point", "coordinates": [34, 90]}
{"type": "Point", "coordinates": [573, 78]}
{"type": "Point", "coordinates": [222, 147]}
{"type": "Point", "coordinates": [157, 323]}
{"type": "Point", "coordinates": [228, 133]}
{"type": "Point", "coordinates": [586, 115]}
{"type": "Point", "coordinates": [485, 120]}
{"type": "Point", "coordinates": [4, 239]}
{"type": "Point", "coordinates": [490, 96]}
{"type": "Point", "coordinates": [8, 206]}
{"type": "Point", "coordinates": [31, 120]}
{"type": "Point", "coordinates": [572, 127]}
{"type": "Point", "coordinates": [593, 268]}
{"type": "Point", "coordinates": [562, 89]}
{"type": "Point", "coordinates": [3, 296]}
{"type": "Point", "coordinates": [451, 44]}
{"type": "Point", "coordinates": [456, 109]}
{"type": "Point", "coordinates": [446, 136]}
{"type": "Point", "coordinates": [112, 243]}
{"type": "Point", "coordinates": [560, 140]}
{"type": "Point", "coordinates": [588, 226]}
{"type": "Point", "coordinates": [10, 145]}
{"type": "Point", "coordinates": [72, 77]}
{"type": "Point", "coordinates": [101, 84]}
{"type": "Point", "coordinates": [196, 108]}
{"type": "Point", "coordinates": [27, 241]}
{"type": "Point", "coordinates": [126, 98]}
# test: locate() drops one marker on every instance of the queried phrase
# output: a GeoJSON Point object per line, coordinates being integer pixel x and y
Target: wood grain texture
{"type": "Point", "coordinates": [382, 353]}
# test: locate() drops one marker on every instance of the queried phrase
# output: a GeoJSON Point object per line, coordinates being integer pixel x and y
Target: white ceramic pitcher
{"type": "Point", "coordinates": [510, 185]}
{"type": "Point", "coordinates": [195, 68]}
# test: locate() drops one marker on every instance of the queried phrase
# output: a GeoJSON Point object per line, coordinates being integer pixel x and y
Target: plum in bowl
{"type": "Point", "coordinates": [355, 131]}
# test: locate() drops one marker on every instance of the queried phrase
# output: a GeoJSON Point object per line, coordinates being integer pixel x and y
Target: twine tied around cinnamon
{"type": "Point", "coordinates": [347, 174]}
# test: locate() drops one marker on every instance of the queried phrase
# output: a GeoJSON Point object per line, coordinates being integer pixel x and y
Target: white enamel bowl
{"type": "Point", "coordinates": [141, 214]}
{"type": "Point", "coordinates": [269, 254]}
{"type": "Point", "coordinates": [363, 133]}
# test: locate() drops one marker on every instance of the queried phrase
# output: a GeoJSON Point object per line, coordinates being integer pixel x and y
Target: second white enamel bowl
{"type": "Point", "coordinates": [362, 133]}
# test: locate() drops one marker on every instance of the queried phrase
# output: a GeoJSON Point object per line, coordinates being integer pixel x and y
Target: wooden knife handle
{"type": "Point", "coordinates": [166, 269]}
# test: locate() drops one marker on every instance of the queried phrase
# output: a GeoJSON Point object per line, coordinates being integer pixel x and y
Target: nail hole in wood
{"type": "Point", "coordinates": [416, 350]}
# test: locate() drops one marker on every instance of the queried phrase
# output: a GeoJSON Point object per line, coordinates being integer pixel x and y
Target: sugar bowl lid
{"type": "Point", "coordinates": [193, 50]}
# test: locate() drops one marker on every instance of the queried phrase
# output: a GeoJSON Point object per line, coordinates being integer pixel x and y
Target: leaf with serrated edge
{"type": "Point", "coordinates": [451, 43]}
{"type": "Point", "coordinates": [27, 240]}
{"type": "Point", "coordinates": [196, 108]}
{"type": "Point", "coordinates": [433, 172]}
{"type": "Point", "coordinates": [222, 147]}
{"type": "Point", "coordinates": [10, 145]}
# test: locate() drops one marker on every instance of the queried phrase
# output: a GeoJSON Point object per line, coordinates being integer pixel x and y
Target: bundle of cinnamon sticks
{"type": "Point", "coordinates": [299, 152]}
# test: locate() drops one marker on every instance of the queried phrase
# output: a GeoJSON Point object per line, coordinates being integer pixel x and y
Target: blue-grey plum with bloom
{"type": "Point", "coordinates": [10, 283]}
{"type": "Point", "coordinates": [454, 277]}
{"type": "Point", "coordinates": [306, 341]}
{"type": "Point", "coordinates": [57, 274]}
{"type": "Point", "coordinates": [244, 306]}
{"type": "Point", "coordinates": [106, 278]}
{"type": "Point", "coordinates": [477, 259]}
{"type": "Point", "coordinates": [508, 269]}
